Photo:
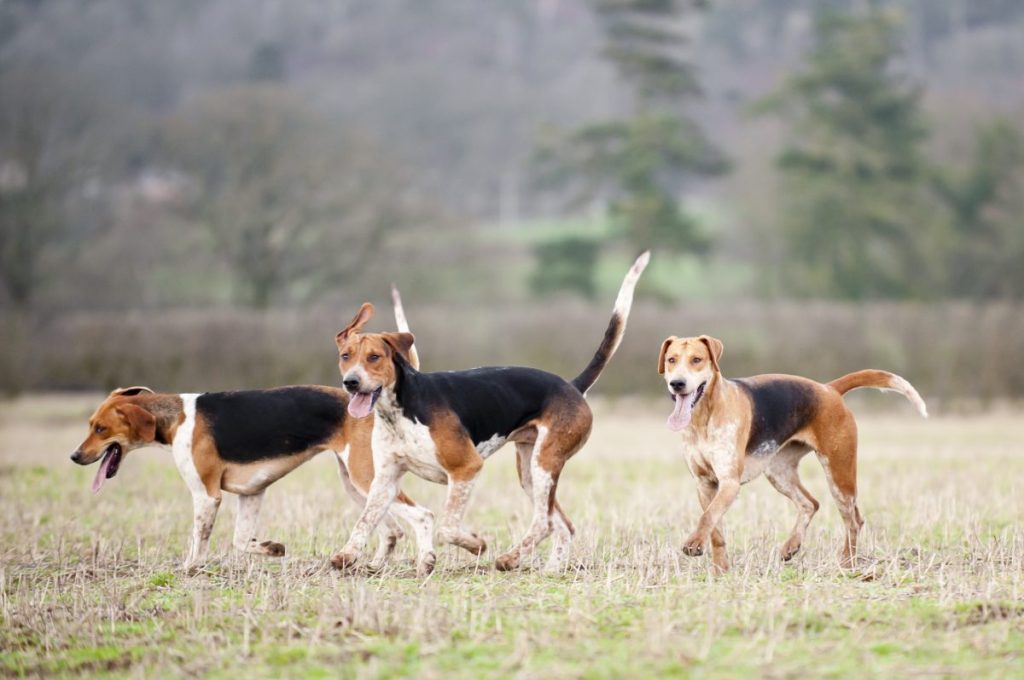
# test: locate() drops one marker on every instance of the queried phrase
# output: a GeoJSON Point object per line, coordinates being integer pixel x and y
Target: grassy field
{"type": "Point", "coordinates": [92, 583]}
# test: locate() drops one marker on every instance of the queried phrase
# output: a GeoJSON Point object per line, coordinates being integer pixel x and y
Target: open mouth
{"type": "Point", "coordinates": [684, 405]}
{"type": "Point", "coordinates": [108, 466]}
{"type": "Point", "coordinates": [361, 404]}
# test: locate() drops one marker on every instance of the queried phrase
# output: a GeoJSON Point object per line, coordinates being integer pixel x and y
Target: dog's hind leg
{"type": "Point", "coordinates": [562, 529]}
{"type": "Point", "coordinates": [540, 466]}
{"type": "Point", "coordinates": [562, 532]}
{"type": "Point", "coordinates": [246, 520]}
{"type": "Point", "coordinates": [838, 456]}
{"type": "Point", "coordinates": [784, 475]}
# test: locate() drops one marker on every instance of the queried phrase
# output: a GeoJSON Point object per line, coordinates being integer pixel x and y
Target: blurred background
{"type": "Point", "coordinates": [198, 194]}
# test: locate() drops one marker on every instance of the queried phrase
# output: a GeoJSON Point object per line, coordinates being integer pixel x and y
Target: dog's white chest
{"type": "Point", "coordinates": [396, 439]}
{"type": "Point", "coordinates": [181, 448]}
{"type": "Point", "coordinates": [710, 449]}
{"type": "Point", "coordinates": [717, 448]}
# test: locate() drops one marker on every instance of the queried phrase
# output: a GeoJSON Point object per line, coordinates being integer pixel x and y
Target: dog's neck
{"type": "Point", "coordinates": [389, 410]}
{"type": "Point", "coordinates": [714, 393]}
{"type": "Point", "coordinates": [168, 410]}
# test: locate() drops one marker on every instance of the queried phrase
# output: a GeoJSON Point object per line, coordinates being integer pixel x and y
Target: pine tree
{"type": "Point", "coordinates": [858, 219]}
{"type": "Point", "coordinates": [638, 164]}
{"type": "Point", "coordinates": [987, 203]}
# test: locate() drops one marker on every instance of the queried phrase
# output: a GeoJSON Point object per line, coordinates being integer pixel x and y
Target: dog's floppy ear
{"type": "Point", "coordinates": [401, 343]}
{"type": "Point", "coordinates": [357, 323]}
{"type": "Point", "coordinates": [715, 348]}
{"type": "Point", "coordinates": [130, 391]}
{"type": "Point", "coordinates": [664, 348]}
{"type": "Point", "coordinates": [142, 422]}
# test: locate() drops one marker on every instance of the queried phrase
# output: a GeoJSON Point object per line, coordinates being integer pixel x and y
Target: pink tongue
{"type": "Point", "coordinates": [101, 474]}
{"type": "Point", "coordinates": [360, 405]}
{"type": "Point", "coordinates": [680, 417]}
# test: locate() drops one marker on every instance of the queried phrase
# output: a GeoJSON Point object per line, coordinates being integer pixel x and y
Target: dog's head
{"type": "Point", "coordinates": [117, 427]}
{"type": "Point", "coordinates": [689, 366]}
{"type": "Point", "coordinates": [368, 362]}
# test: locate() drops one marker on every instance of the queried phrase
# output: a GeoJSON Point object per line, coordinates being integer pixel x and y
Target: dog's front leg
{"type": "Point", "coordinates": [382, 493]}
{"type": "Point", "coordinates": [706, 490]}
{"type": "Point", "coordinates": [245, 528]}
{"type": "Point", "coordinates": [204, 511]}
{"type": "Point", "coordinates": [422, 522]}
{"type": "Point", "coordinates": [727, 490]}
{"type": "Point", "coordinates": [450, 530]}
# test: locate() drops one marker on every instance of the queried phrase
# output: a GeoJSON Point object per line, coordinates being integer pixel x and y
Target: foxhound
{"type": "Point", "coordinates": [443, 426]}
{"type": "Point", "coordinates": [734, 430]}
{"type": "Point", "coordinates": [242, 442]}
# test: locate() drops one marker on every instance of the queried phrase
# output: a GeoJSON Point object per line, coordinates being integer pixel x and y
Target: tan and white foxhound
{"type": "Point", "coordinates": [735, 430]}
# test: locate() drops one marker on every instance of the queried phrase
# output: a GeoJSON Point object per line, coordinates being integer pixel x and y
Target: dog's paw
{"type": "Point", "coordinates": [789, 549]}
{"type": "Point", "coordinates": [477, 546]}
{"type": "Point", "coordinates": [507, 562]}
{"type": "Point", "coordinates": [425, 565]}
{"type": "Point", "coordinates": [847, 559]}
{"type": "Point", "coordinates": [272, 549]}
{"type": "Point", "coordinates": [694, 546]}
{"type": "Point", "coordinates": [344, 560]}
{"type": "Point", "coordinates": [191, 568]}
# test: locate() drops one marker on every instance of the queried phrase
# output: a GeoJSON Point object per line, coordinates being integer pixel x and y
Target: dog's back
{"type": "Point", "coordinates": [252, 425]}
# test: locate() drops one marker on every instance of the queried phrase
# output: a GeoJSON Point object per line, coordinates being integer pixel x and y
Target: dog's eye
{"type": "Point", "coordinates": [373, 357]}
{"type": "Point", "coordinates": [344, 357]}
{"type": "Point", "coordinates": [696, 360]}
{"type": "Point", "coordinates": [99, 429]}
{"type": "Point", "coordinates": [671, 360]}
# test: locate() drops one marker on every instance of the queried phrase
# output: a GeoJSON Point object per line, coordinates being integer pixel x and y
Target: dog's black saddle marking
{"type": "Point", "coordinates": [779, 407]}
{"type": "Point", "coordinates": [488, 401]}
{"type": "Point", "coordinates": [254, 425]}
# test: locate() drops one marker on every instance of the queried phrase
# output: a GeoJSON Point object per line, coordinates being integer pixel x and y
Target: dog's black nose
{"type": "Point", "coordinates": [677, 385]}
{"type": "Point", "coordinates": [76, 457]}
{"type": "Point", "coordinates": [351, 384]}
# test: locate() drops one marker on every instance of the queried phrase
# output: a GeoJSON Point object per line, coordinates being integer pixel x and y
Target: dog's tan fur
{"type": "Point", "coordinates": [716, 440]}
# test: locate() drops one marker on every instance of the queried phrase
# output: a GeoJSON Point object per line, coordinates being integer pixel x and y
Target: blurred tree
{"type": "Point", "coordinates": [639, 162]}
{"type": "Point", "coordinates": [290, 208]}
{"type": "Point", "coordinates": [565, 264]}
{"type": "Point", "coordinates": [267, 63]}
{"type": "Point", "coordinates": [51, 172]}
{"type": "Point", "coordinates": [859, 221]}
{"type": "Point", "coordinates": [987, 203]}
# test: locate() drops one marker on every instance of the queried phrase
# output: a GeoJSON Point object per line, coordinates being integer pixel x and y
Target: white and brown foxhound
{"type": "Point", "coordinates": [443, 426]}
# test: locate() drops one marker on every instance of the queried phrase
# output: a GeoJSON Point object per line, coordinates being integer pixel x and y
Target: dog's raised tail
{"type": "Point", "coordinates": [881, 380]}
{"type": "Point", "coordinates": [403, 324]}
{"type": "Point", "coordinates": [616, 327]}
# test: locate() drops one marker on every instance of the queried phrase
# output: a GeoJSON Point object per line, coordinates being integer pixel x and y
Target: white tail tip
{"type": "Point", "coordinates": [904, 387]}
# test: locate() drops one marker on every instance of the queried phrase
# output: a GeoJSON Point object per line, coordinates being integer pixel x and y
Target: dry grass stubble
{"type": "Point", "coordinates": [94, 584]}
